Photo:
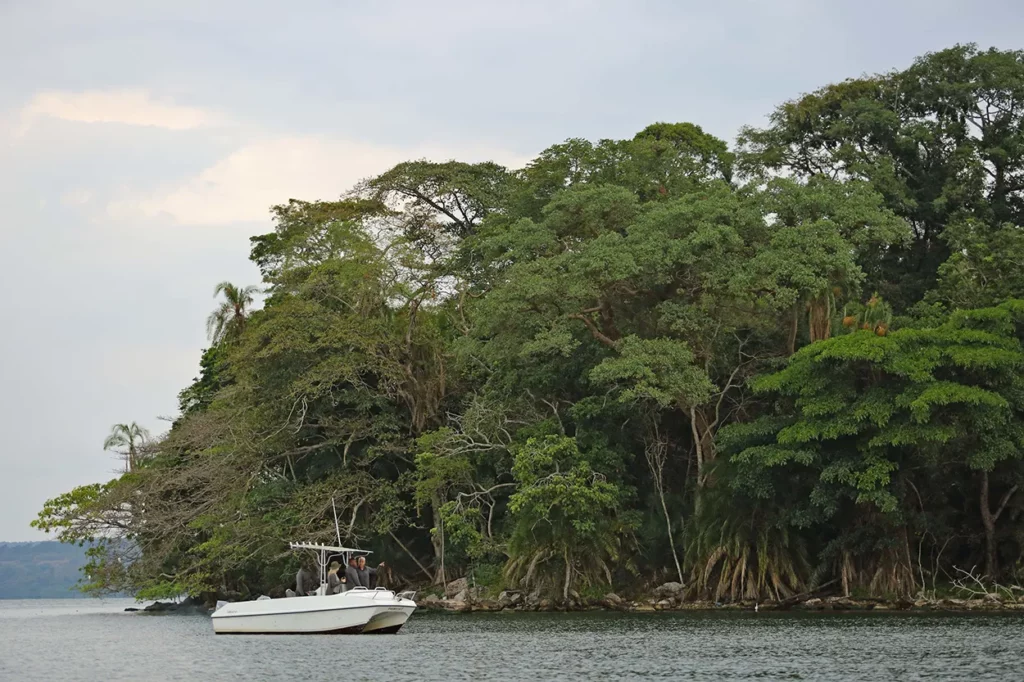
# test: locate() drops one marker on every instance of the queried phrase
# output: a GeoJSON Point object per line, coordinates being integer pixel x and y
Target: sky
{"type": "Point", "coordinates": [142, 144]}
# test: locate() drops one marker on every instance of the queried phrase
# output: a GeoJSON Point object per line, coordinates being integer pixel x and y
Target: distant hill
{"type": "Point", "coordinates": [39, 570]}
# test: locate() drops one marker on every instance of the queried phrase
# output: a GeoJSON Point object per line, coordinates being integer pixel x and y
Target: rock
{"type": "Point", "coordinates": [452, 605]}
{"type": "Point", "coordinates": [848, 604]}
{"type": "Point", "coordinates": [131, 609]}
{"type": "Point", "coordinates": [664, 604]}
{"type": "Point", "coordinates": [669, 591]}
{"type": "Point", "coordinates": [533, 599]}
{"type": "Point", "coordinates": [487, 605]}
{"type": "Point", "coordinates": [642, 608]}
{"type": "Point", "coordinates": [456, 586]}
{"type": "Point", "coordinates": [510, 598]}
{"type": "Point", "coordinates": [431, 600]}
{"type": "Point", "coordinates": [612, 598]}
{"type": "Point", "coordinates": [159, 607]}
{"type": "Point", "coordinates": [462, 596]}
{"type": "Point", "coordinates": [544, 605]}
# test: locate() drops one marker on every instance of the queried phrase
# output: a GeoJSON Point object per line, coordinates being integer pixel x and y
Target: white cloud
{"type": "Point", "coordinates": [242, 186]}
{"type": "Point", "coordinates": [76, 197]}
{"type": "Point", "coordinates": [128, 107]}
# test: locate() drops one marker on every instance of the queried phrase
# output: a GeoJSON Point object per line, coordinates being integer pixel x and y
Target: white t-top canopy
{"type": "Point", "coordinates": [326, 548]}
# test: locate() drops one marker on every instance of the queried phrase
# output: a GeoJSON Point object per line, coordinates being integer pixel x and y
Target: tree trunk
{"type": "Point", "coordinates": [568, 577]}
{"type": "Point", "coordinates": [704, 443]}
{"type": "Point", "coordinates": [989, 522]}
{"type": "Point", "coordinates": [437, 540]}
{"type": "Point", "coordinates": [819, 320]}
{"type": "Point", "coordinates": [793, 328]}
{"type": "Point", "coordinates": [668, 527]}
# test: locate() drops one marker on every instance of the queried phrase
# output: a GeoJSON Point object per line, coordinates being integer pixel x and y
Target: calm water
{"type": "Point", "coordinates": [68, 641]}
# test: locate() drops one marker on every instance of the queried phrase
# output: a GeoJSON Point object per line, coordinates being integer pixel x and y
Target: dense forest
{"type": "Point", "coordinates": [754, 369]}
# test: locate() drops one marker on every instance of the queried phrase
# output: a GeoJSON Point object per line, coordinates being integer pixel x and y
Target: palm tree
{"type": "Point", "coordinates": [132, 437]}
{"type": "Point", "coordinates": [228, 320]}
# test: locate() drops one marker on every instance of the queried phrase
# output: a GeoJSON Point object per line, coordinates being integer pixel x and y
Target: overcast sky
{"type": "Point", "coordinates": [141, 144]}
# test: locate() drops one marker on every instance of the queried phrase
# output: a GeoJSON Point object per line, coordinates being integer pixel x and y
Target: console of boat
{"type": "Point", "coordinates": [358, 610]}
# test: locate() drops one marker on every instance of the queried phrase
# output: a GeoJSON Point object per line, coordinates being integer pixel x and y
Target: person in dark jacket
{"type": "Point", "coordinates": [367, 576]}
{"type": "Point", "coordinates": [304, 582]}
{"type": "Point", "coordinates": [352, 574]}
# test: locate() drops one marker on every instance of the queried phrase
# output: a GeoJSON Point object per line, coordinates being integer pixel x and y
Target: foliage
{"type": "Point", "coordinates": [761, 369]}
{"type": "Point", "coordinates": [566, 517]}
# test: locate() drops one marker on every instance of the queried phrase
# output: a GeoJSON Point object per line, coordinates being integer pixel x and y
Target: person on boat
{"type": "Point", "coordinates": [367, 576]}
{"type": "Point", "coordinates": [304, 582]}
{"type": "Point", "coordinates": [334, 582]}
{"type": "Point", "coordinates": [352, 574]}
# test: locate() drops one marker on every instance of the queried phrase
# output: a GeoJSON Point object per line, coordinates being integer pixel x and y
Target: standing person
{"type": "Point", "coordinates": [334, 582]}
{"type": "Point", "coordinates": [367, 576]}
{"type": "Point", "coordinates": [303, 582]}
{"type": "Point", "coordinates": [352, 574]}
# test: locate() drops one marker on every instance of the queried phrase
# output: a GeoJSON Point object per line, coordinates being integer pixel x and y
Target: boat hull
{"type": "Point", "coordinates": [388, 620]}
{"type": "Point", "coordinates": [349, 613]}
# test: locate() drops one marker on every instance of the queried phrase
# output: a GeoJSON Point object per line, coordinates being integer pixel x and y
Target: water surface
{"type": "Point", "coordinates": [72, 641]}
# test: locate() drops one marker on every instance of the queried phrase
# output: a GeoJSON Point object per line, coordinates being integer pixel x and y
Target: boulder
{"type": "Point", "coordinates": [452, 605]}
{"type": "Point", "coordinates": [669, 591]}
{"type": "Point", "coordinates": [510, 598]}
{"type": "Point", "coordinates": [664, 604]}
{"type": "Point", "coordinates": [160, 607]}
{"type": "Point", "coordinates": [430, 600]}
{"type": "Point", "coordinates": [487, 605]}
{"type": "Point", "coordinates": [544, 605]}
{"type": "Point", "coordinates": [456, 586]}
{"type": "Point", "coordinates": [131, 609]}
{"type": "Point", "coordinates": [462, 596]}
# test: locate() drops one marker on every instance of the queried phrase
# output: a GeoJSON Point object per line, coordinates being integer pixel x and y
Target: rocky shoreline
{"type": "Point", "coordinates": [459, 597]}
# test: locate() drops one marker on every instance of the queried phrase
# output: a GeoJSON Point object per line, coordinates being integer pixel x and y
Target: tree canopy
{"type": "Point", "coordinates": [755, 369]}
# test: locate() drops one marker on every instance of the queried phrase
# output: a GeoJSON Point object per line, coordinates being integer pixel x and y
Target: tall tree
{"type": "Point", "coordinates": [228, 320]}
{"type": "Point", "coordinates": [130, 437]}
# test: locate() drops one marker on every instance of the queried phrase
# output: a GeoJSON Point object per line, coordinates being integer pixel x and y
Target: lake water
{"type": "Point", "coordinates": [78, 640]}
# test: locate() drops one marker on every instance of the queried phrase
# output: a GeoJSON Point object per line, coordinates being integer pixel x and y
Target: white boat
{"type": "Point", "coordinates": [359, 610]}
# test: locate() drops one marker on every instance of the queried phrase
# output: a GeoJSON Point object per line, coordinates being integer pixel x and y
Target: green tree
{"type": "Point", "coordinates": [133, 439]}
{"type": "Point", "coordinates": [873, 415]}
{"type": "Point", "coordinates": [228, 320]}
{"type": "Point", "coordinates": [568, 526]}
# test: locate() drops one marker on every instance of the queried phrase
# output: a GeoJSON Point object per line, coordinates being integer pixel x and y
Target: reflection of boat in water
{"type": "Point", "coordinates": [359, 610]}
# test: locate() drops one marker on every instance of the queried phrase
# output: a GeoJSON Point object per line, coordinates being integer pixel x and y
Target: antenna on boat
{"type": "Point", "coordinates": [337, 528]}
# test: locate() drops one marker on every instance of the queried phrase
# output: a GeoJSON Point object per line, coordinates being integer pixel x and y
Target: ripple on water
{"type": "Point", "coordinates": [78, 640]}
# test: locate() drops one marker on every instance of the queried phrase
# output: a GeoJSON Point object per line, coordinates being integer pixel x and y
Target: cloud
{"type": "Point", "coordinates": [76, 197]}
{"type": "Point", "coordinates": [127, 107]}
{"type": "Point", "coordinates": [242, 186]}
